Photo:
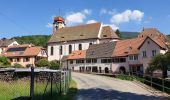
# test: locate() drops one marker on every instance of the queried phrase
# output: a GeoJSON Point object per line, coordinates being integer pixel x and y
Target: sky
{"type": "Point", "coordinates": [35, 17]}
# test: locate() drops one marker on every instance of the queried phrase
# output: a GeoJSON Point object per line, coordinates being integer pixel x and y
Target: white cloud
{"type": "Point", "coordinates": [49, 25]}
{"type": "Point", "coordinates": [114, 27]}
{"type": "Point", "coordinates": [105, 11]}
{"type": "Point", "coordinates": [126, 16]}
{"type": "Point", "coordinates": [87, 11]}
{"type": "Point", "coordinates": [91, 21]}
{"type": "Point", "coordinates": [148, 20]}
{"type": "Point", "coordinates": [77, 17]}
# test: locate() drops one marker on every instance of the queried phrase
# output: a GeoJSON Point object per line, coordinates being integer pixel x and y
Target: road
{"type": "Point", "coordinates": [93, 87]}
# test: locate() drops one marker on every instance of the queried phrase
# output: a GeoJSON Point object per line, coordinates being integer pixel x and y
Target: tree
{"type": "Point", "coordinates": [159, 62]}
{"type": "Point", "coordinates": [55, 64]}
{"type": "Point", "coordinates": [4, 61]}
{"type": "Point", "coordinates": [118, 33]}
{"type": "Point", "coordinates": [16, 65]}
{"type": "Point", "coordinates": [42, 63]}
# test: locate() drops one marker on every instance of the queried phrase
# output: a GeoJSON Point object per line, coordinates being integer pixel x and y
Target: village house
{"type": "Point", "coordinates": [26, 54]}
{"type": "Point", "coordinates": [4, 43]}
{"type": "Point", "coordinates": [130, 55]}
{"type": "Point", "coordinates": [67, 39]}
{"type": "Point", "coordinates": [97, 48]}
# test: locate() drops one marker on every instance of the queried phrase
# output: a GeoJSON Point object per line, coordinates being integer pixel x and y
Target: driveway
{"type": "Point", "coordinates": [93, 87]}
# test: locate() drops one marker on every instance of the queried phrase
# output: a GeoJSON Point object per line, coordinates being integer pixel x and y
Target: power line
{"type": "Point", "coordinates": [14, 22]}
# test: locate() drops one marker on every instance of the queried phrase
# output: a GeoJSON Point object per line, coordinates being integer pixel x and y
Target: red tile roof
{"type": "Point", "coordinates": [29, 51]}
{"type": "Point", "coordinates": [79, 54]}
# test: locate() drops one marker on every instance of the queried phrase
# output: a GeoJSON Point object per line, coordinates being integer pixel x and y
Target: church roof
{"type": "Point", "coordinates": [107, 32]}
{"type": "Point", "coordinates": [82, 32]}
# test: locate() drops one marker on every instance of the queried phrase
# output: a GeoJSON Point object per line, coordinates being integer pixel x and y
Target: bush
{"type": "Point", "coordinates": [16, 65]}
{"type": "Point", "coordinates": [42, 63]}
{"type": "Point", "coordinates": [55, 64]}
{"type": "Point", "coordinates": [4, 61]}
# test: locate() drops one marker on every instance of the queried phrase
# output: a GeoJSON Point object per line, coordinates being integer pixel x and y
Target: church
{"type": "Point", "coordinates": [64, 39]}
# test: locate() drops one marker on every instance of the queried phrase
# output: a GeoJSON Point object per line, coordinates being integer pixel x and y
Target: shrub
{"type": "Point", "coordinates": [55, 64]}
{"type": "Point", "coordinates": [16, 65]}
{"type": "Point", "coordinates": [42, 63]}
{"type": "Point", "coordinates": [4, 61]}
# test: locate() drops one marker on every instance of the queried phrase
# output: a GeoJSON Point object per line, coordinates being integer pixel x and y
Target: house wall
{"type": "Point", "coordinates": [4, 48]}
{"type": "Point", "coordinates": [75, 44]}
{"type": "Point", "coordinates": [31, 61]}
{"type": "Point", "coordinates": [113, 67]}
{"type": "Point", "coordinates": [148, 47]}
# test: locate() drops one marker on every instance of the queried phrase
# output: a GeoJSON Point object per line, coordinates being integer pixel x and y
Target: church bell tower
{"type": "Point", "coordinates": [59, 22]}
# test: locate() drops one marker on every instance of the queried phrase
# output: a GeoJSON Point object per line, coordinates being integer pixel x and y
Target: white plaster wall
{"type": "Point", "coordinates": [116, 66]}
{"type": "Point", "coordinates": [13, 43]}
{"type": "Point", "coordinates": [148, 48]}
{"type": "Point", "coordinates": [65, 45]}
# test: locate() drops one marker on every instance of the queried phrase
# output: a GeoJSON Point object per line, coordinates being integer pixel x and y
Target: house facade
{"type": "Point", "coordinates": [130, 55]}
{"type": "Point", "coordinates": [4, 43]}
{"type": "Point", "coordinates": [25, 54]}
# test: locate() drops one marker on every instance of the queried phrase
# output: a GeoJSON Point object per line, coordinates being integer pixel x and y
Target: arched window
{"type": "Point", "coordinates": [90, 43]}
{"type": "Point", "coordinates": [61, 50]}
{"type": "Point", "coordinates": [80, 46]}
{"type": "Point", "coordinates": [52, 50]}
{"type": "Point", "coordinates": [70, 49]}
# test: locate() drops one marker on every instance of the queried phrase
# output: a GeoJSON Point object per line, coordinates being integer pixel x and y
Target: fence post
{"type": "Point", "coordinates": [51, 74]}
{"type": "Point", "coordinates": [32, 84]}
{"type": "Point", "coordinates": [151, 81]}
{"type": "Point", "coordinates": [64, 82]}
{"type": "Point", "coordinates": [60, 80]}
{"type": "Point", "coordinates": [163, 88]}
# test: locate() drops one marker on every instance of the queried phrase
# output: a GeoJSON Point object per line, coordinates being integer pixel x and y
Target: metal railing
{"type": "Point", "coordinates": [157, 83]}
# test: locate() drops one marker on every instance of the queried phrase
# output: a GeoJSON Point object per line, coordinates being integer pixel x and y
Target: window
{"type": "Point", "coordinates": [94, 60]}
{"type": "Point", "coordinates": [11, 59]}
{"type": "Point", "coordinates": [70, 49]}
{"type": "Point", "coordinates": [122, 60]}
{"type": "Point", "coordinates": [16, 60]}
{"type": "Point", "coordinates": [105, 60]}
{"type": "Point", "coordinates": [80, 46]}
{"type": "Point", "coordinates": [90, 43]}
{"type": "Point", "coordinates": [79, 61]}
{"type": "Point", "coordinates": [88, 60]}
{"type": "Point", "coordinates": [61, 50]}
{"type": "Point", "coordinates": [135, 57]}
{"type": "Point", "coordinates": [27, 59]}
{"type": "Point", "coordinates": [130, 57]}
{"type": "Point", "coordinates": [153, 53]}
{"type": "Point", "coordinates": [144, 54]}
{"type": "Point", "coordinates": [71, 61]}
{"type": "Point", "coordinates": [52, 50]}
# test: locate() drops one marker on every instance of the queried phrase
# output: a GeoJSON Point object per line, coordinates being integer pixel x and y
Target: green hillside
{"type": "Point", "coordinates": [128, 35]}
{"type": "Point", "coordinates": [39, 40]}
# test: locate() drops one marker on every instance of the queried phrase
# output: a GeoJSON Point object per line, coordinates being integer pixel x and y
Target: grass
{"type": "Point", "coordinates": [20, 88]}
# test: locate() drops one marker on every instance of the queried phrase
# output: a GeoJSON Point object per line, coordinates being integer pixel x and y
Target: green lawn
{"type": "Point", "coordinates": [20, 88]}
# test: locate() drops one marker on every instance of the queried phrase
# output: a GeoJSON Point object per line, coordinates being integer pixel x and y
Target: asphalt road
{"type": "Point", "coordinates": [93, 87]}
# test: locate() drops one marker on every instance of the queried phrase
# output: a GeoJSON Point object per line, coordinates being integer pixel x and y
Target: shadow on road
{"type": "Point", "coordinates": [101, 94]}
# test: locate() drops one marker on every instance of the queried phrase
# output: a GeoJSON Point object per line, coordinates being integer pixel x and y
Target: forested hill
{"type": "Point", "coordinates": [128, 35]}
{"type": "Point", "coordinates": [39, 40]}
{"type": "Point", "coordinates": [42, 40]}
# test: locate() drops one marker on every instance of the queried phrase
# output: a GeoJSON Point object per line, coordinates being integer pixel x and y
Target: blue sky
{"type": "Point", "coordinates": [33, 17]}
